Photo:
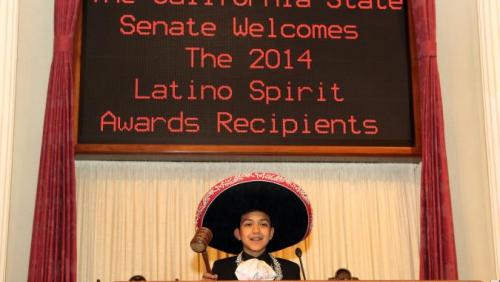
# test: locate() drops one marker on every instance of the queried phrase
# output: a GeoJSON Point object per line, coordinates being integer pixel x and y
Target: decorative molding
{"type": "Point", "coordinates": [489, 40]}
{"type": "Point", "coordinates": [8, 59]}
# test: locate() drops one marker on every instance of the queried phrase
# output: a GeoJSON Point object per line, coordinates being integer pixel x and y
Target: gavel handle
{"type": "Point", "coordinates": [205, 260]}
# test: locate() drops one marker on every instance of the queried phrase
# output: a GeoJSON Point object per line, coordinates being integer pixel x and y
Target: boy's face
{"type": "Point", "coordinates": [255, 232]}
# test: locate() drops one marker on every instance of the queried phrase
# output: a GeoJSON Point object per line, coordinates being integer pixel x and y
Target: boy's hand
{"type": "Point", "coordinates": [209, 276]}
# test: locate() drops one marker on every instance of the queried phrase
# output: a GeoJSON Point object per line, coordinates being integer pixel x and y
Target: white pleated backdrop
{"type": "Point", "coordinates": [138, 218]}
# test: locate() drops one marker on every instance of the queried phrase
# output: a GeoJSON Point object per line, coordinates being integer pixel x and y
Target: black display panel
{"type": "Point", "coordinates": [243, 72]}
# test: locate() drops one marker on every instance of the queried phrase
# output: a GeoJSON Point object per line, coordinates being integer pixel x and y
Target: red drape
{"type": "Point", "coordinates": [437, 243]}
{"type": "Point", "coordinates": [53, 243]}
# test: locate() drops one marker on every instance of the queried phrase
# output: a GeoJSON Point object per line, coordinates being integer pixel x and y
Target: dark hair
{"type": "Point", "coordinates": [342, 274]}
{"type": "Point", "coordinates": [255, 210]}
{"type": "Point", "coordinates": [137, 278]}
{"type": "Point", "coordinates": [342, 271]}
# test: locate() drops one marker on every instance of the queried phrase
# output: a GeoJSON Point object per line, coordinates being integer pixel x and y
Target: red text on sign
{"type": "Point", "coordinates": [275, 59]}
{"type": "Point", "coordinates": [198, 57]}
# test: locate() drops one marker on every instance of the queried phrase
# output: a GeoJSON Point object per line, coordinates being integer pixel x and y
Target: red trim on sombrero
{"type": "Point", "coordinates": [231, 181]}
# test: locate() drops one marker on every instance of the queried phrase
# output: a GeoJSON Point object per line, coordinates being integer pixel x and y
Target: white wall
{"type": "Point", "coordinates": [458, 57]}
{"type": "Point", "coordinates": [460, 76]}
{"type": "Point", "coordinates": [34, 57]}
{"type": "Point", "coordinates": [8, 63]}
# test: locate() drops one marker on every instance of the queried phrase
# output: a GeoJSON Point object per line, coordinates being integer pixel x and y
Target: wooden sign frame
{"type": "Point", "coordinates": [186, 152]}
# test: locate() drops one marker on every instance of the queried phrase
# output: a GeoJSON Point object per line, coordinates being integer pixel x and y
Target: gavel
{"type": "Point", "coordinates": [199, 244]}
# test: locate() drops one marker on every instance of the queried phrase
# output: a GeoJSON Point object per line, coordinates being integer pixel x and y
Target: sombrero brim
{"type": "Point", "coordinates": [286, 204]}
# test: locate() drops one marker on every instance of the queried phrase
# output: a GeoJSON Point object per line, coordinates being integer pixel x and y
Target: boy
{"type": "Point", "coordinates": [265, 213]}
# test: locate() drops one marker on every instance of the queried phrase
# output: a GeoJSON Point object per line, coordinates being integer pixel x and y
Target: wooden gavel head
{"type": "Point", "coordinates": [201, 239]}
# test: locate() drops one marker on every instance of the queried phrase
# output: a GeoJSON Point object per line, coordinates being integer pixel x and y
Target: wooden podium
{"type": "Point", "coordinates": [327, 280]}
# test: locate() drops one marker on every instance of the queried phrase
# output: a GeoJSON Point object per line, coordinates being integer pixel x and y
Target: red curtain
{"type": "Point", "coordinates": [437, 242]}
{"type": "Point", "coordinates": [53, 243]}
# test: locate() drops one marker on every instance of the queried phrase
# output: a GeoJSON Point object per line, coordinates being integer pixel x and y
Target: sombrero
{"type": "Point", "coordinates": [286, 204]}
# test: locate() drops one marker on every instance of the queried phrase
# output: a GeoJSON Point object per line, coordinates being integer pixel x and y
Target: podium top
{"type": "Point", "coordinates": [327, 280]}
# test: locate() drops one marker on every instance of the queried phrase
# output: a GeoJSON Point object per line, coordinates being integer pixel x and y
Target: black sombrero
{"type": "Point", "coordinates": [285, 202]}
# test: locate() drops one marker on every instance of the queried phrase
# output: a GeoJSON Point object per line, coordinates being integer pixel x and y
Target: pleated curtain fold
{"type": "Point", "coordinates": [437, 242]}
{"type": "Point", "coordinates": [53, 254]}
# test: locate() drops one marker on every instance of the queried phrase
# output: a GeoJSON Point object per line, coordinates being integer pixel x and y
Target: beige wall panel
{"type": "Point", "coordinates": [34, 57]}
{"type": "Point", "coordinates": [459, 66]}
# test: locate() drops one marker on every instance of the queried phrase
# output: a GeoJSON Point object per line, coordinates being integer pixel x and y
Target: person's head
{"type": "Point", "coordinates": [343, 274]}
{"type": "Point", "coordinates": [227, 205]}
{"type": "Point", "coordinates": [255, 231]}
{"type": "Point", "coordinates": [137, 278]}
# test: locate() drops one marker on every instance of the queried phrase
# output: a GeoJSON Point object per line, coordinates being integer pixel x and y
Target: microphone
{"type": "Point", "coordinates": [298, 252]}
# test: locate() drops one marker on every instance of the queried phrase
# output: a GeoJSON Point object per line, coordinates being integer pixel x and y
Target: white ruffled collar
{"type": "Point", "coordinates": [258, 268]}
